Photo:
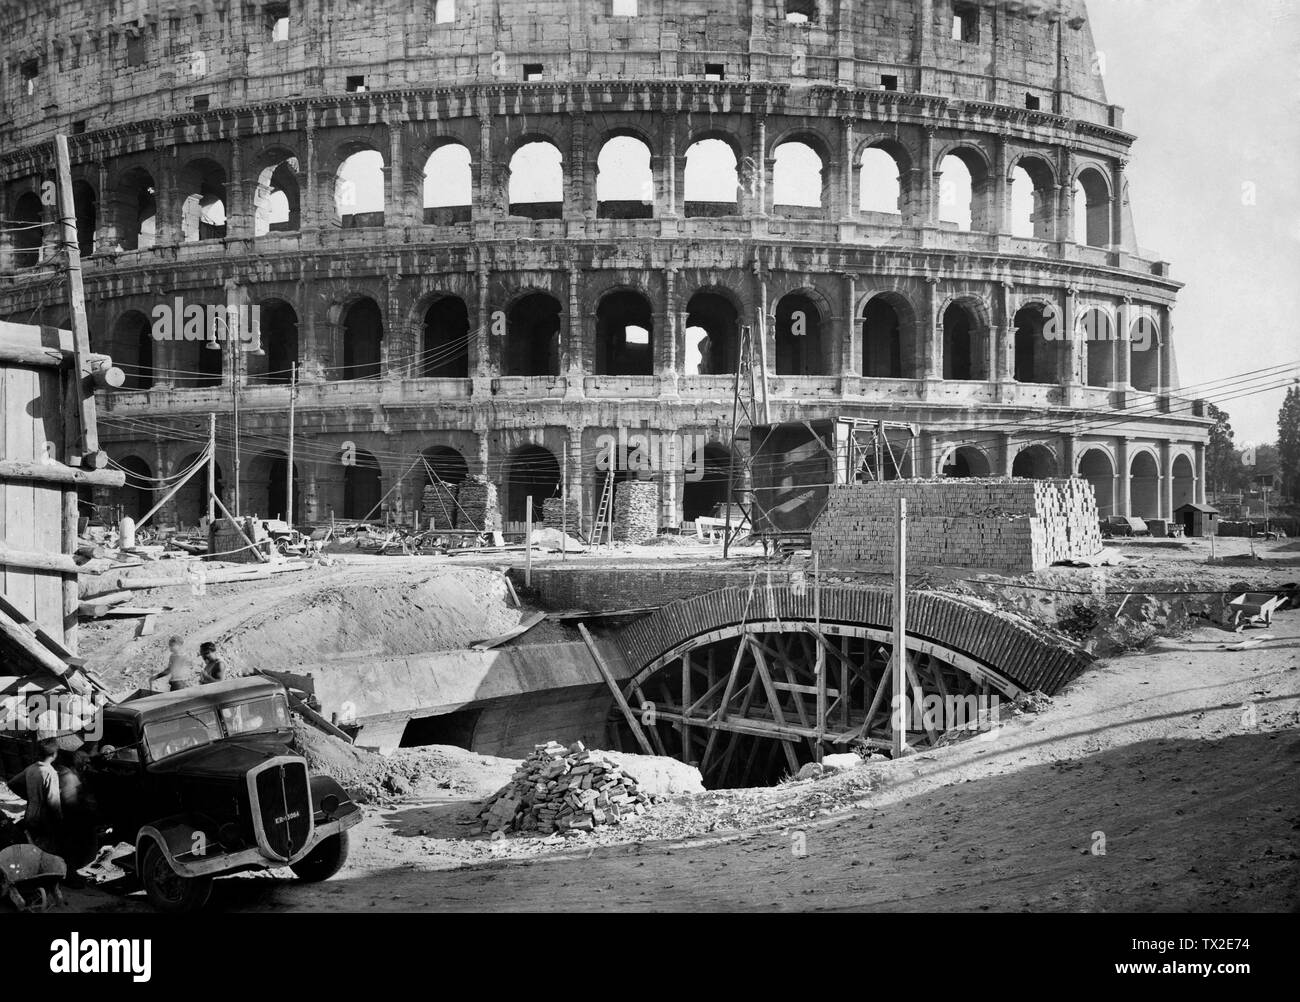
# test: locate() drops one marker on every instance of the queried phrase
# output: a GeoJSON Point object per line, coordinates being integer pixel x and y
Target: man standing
{"type": "Point", "coordinates": [213, 669]}
{"type": "Point", "coordinates": [44, 816]}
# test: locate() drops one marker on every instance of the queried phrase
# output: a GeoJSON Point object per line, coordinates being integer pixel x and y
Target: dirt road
{"type": "Point", "coordinates": [1181, 763]}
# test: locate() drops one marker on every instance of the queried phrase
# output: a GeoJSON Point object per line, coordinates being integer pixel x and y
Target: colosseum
{"type": "Point", "coordinates": [488, 233]}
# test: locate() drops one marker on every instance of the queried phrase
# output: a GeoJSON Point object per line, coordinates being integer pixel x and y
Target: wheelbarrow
{"type": "Point", "coordinates": [30, 877]}
{"type": "Point", "coordinates": [1253, 607]}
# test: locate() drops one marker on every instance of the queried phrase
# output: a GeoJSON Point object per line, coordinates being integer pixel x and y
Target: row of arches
{"type": "Point", "coordinates": [626, 335]}
{"type": "Point", "coordinates": [534, 471]}
{"type": "Point", "coordinates": [719, 179]}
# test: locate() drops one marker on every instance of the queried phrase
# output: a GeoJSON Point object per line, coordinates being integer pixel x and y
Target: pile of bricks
{"type": "Point", "coordinates": [555, 516]}
{"type": "Point", "coordinates": [478, 501]}
{"type": "Point", "coordinates": [438, 504]}
{"type": "Point", "coordinates": [995, 523]}
{"type": "Point", "coordinates": [636, 510]}
{"type": "Point", "coordinates": [558, 789]}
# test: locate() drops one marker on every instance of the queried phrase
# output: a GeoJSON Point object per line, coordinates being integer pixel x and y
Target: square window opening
{"type": "Point", "coordinates": [532, 71]}
{"type": "Point", "coordinates": [1032, 102]}
{"type": "Point", "coordinates": [965, 24]}
{"type": "Point", "coordinates": [888, 81]}
{"type": "Point", "coordinates": [200, 103]}
{"type": "Point", "coordinates": [444, 11]}
{"type": "Point", "coordinates": [356, 85]}
{"type": "Point", "coordinates": [714, 71]}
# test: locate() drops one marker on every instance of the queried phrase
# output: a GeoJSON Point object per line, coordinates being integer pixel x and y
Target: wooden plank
{"type": "Point", "coordinates": [633, 724]}
{"type": "Point", "coordinates": [518, 631]}
{"type": "Point", "coordinates": [57, 563]}
{"type": "Point", "coordinates": [686, 701]}
{"type": "Point", "coordinates": [146, 626]}
{"type": "Point", "coordinates": [760, 663]}
{"type": "Point", "coordinates": [57, 473]}
{"type": "Point", "coordinates": [654, 731]}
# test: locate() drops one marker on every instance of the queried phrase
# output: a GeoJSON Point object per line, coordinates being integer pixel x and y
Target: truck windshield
{"type": "Point", "coordinates": [165, 738]}
{"type": "Point", "coordinates": [269, 713]}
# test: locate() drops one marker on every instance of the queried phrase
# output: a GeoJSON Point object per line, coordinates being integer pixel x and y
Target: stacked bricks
{"type": "Point", "coordinates": [636, 510]}
{"type": "Point", "coordinates": [563, 789]}
{"type": "Point", "coordinates": [1000, 524]}
{"type": "Point", "coordinates": [438, 505]}
{"type": "Point", "coordinates": [478, 501]}
{"type": "Point", "coordinates": [555, 515]}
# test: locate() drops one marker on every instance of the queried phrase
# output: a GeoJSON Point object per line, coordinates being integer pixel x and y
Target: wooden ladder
{"type": "Point", "coordinates": [604, 511]}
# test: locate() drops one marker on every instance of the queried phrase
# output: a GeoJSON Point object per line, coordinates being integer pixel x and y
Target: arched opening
{"type": "Point", "coordinates": [958, 343]}
{"type": "Point", "coordinates": [625, 187]}
{"type": "Point", "coordinates": [29, 231]}
{"type": "Point", "coordinates": [531, 471]}
{"type": "Point", "coordinates": [1096, 468]}
{"type": "Point", "coordinates": [798, 337]}
{"type": "Point", "coordinates": [1034, 462]}
{"type": "Point", "coordinates": [192, 499]}
{"type": "Point", "coordinates": [1144, 486]}
{"type": "Point", "coordinates": [801, 11]}
{"type": "Point", "coordinates": [1091, 208]}
{"type": "Point", "coordinates": [137, 210]}
{"type": "Point", "coordinates": [712, 332]}
{"type": "Point", "coordinates": [532, 345]}
{"type": "Point", "coordinates": [624, 335]}
{"type": "Point", "coordinates": [798, 176]}
{"type": "Point", "coordinates": [1037, 358]}
{"type": "Point", "coordinates": [1144, 355]}
{"type": "Point", "coordinates": [278, 333]}
{"type": "Point", "coordinates": [203, 205]}
{"type": "Point", "coordinates": [277, 203]}
{"type": "Point", "coordinates": [136, 495]}
{"type": "Point", "coordinates": [964, 191]}
{"type": "Point", "coordinates": [446, 339]}
{"type": "Point", "coordinates": [86, 207]}
{"type": "Point", "coordinates": [880, 186]}
{"type": "Point", "coordinates": [885, 345]}
{"type": "Point", "coordinates": [711, 181]}
{"type": "Point", "coordinates": [706, 488]}
{"type": "Point", "coordinates": [363, 335]}
{"type": "Point", "coordinates": [966, 461]}
{"type": "Point", "coordinates": [131, 348]}
{"type": "Point", "coordinates": [536, 188]}
{"type": "Point", "coordinates": [445, 470]}
{"type": "Point", "coordinates": [1184, 482]}
{"type": "Point", "coordinates": [359, 190]}
{"type": "Point", "coordinates": [265, 492]}
{"type": "Point", "coordinates": [448, 185]}
{"type": "Point", "coordinates": [1032, 199]}
{"type": "Point", "coordinates": [1098, 334]}
{"type": "Point", "coordinates": [363, 487]}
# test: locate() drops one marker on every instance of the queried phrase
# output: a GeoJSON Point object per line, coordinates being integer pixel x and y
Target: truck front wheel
{"type": "Point", "coordinates": [323, 861]}
{"type": "Point", "coordinates": [166, 889]}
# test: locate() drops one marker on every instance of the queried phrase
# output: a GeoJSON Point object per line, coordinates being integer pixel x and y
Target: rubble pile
{"type": "Point", "coordinates": [478, 500]}
{"type": "Point", "coordinates": [636, 511]}
{"type": "Point", "coordinates": [438, 505]}
{"type": "Point", "coordinates": [559, 789]}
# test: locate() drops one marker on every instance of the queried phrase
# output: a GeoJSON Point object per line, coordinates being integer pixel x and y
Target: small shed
{"type": "Point", "coordinates": [1198, 519]}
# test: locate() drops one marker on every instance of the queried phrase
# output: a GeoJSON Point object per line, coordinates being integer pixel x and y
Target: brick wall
{"type": "Point", "coordinates": [995, 523]}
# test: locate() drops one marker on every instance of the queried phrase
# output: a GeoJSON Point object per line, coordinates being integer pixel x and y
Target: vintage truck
{"type": "Point", "coordinates": [204, 782]}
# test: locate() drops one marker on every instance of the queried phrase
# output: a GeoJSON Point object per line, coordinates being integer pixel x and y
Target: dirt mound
{"type": "Point", "coordinates": [443, 609]}
{"type": "Point", "coordinates": [371, 778]}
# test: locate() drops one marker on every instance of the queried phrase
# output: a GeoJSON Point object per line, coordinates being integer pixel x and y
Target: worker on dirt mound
{"type": "Point", "coordinates": [214, 670]}
{"type": "Point", "coordinates": [180, 670]}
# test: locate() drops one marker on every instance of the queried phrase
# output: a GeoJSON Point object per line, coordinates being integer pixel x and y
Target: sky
{"type": "Point", "coordinates": [1211, 88]}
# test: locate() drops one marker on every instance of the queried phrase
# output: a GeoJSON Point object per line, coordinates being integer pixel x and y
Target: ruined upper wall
{"type": "Point", "coordinates": [108, 62]}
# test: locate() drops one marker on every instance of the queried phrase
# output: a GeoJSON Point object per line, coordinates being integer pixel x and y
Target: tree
{"type": "Point", "coordinates": [1288, 443]}
{"type": "Point", "coordinates": [1222, 460]}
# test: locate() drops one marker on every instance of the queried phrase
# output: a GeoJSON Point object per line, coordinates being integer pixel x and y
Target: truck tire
{"type": "Point", "coordinates": [166, 889]}
{"type": "Point", "coordinates": [323, 861]}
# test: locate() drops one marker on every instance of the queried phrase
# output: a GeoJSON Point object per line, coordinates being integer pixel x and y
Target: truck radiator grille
{"type": "Point", "coordinates": [284, 803]}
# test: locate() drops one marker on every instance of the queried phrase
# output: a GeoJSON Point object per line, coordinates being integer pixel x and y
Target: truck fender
{"type": "Point", "coordinates": [182, 839]}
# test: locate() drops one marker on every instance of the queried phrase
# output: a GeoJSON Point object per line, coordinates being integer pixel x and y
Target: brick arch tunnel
{"type": "Point", "coordinates": [751, 683]}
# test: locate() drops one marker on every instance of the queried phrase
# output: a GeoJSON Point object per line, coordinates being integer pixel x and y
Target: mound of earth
{"type": "Point", "coordinates": [371, 778]}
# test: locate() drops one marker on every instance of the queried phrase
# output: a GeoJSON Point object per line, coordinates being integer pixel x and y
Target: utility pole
{"type": "Point", "coordinates": [212, 468]}
{"type": "Point", "coordinates": [91, 456]}
{"type": "Point", "coordinates": [288, 476]}
{"type": "Point", "coordinates": [564, 505]}
{"type": "Point", "coordinates": [234, 393]}
{"type": "Point", "coordinates": [900, 630]}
